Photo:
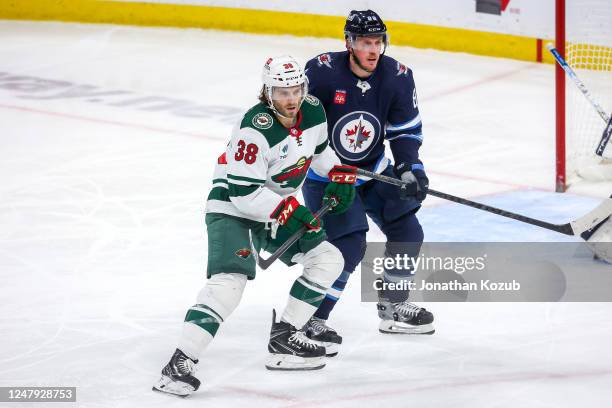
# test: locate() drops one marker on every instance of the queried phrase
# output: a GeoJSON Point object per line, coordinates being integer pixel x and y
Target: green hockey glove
{"type": "Point", "coordinates": [341, 187]}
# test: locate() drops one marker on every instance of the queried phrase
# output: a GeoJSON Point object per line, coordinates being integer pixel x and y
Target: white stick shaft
{"type": "Point", "coordinates": [570, 72]}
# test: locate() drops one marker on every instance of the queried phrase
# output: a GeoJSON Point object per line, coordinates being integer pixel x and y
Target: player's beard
{"type": "Point", "coordinates": [286, 114]}
{"type": "Point", "coordinates": [293, 114]}
{"type": "Point", "coordinates": [360, 65]}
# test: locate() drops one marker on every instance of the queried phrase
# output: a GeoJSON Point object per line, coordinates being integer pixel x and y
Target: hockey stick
{"type": "Point", "coordinates": [576, 227]}
{"type": "Point", "coordinates": [605, 138]}
{"type": "Point", "coordinates": [265, 263]}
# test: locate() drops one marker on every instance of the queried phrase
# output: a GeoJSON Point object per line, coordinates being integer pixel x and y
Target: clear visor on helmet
{"type": "Point", "coordinates": [286, 99]}
{"type": "Point", "coordinates": [371, 43]}
{"type": "Point", "coordinates": [287, 94]}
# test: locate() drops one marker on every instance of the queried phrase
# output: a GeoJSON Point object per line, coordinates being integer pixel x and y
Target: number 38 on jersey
{"type": "Point", "coordinates": [246, 152]}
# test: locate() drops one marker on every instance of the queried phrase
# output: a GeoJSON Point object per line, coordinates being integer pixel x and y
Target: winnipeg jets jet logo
{"type": "Point", "coordinates": [355, 135]}
{"type": "Point", "coordinates": [324, 59]}
{"type": "Point", "coordinates": [401, 69]}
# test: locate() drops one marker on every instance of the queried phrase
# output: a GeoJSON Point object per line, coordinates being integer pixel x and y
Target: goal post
{"type": "Point", "coordinates": [583, 37]}
{"type": "Point", "coordinates": [561, 184]}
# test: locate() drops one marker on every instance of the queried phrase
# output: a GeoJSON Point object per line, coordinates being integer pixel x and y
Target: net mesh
{"type": "Point", "coordinates": [589, 52]}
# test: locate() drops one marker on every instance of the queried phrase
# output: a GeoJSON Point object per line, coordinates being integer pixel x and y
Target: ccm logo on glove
{"type": "Point", "coordinates": [343, 174]}
{"type": "Point", "coordinates": [341, 188]}
{"type": "Point", "coordinates": [290, 207]}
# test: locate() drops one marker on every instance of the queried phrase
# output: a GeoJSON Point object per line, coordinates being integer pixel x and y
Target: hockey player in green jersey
{"type": "Point", "coordinates": [254, 186]}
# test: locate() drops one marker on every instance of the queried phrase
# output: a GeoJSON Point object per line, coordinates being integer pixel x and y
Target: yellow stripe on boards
{"type": "Point", "coordinates": [266, 22]}
{"type": "Point", "coordinates": [462, 40]}
{"type": "Point", "coordinates": [173, 15]}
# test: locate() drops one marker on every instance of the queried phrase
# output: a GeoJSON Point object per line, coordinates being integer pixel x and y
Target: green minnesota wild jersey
{"type": "Point", "coordinates": [265, 162]}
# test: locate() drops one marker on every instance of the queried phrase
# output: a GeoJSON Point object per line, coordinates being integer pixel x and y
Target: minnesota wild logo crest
{"type": "Point", "coordinates": [263, 121]}
{"type": "Point", "coordinates": [243, 253]}
{"type": "Point", "coordinates": [312, 100]}
{"type": "Point", "coordinates": [292, 176]}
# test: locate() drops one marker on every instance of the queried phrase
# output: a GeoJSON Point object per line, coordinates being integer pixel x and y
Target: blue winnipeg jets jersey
{"type": "Point", "coordinates": [361, 114]}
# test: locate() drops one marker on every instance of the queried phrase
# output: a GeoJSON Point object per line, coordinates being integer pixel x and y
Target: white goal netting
{"type": "Point", "coordinates": [589, 52]}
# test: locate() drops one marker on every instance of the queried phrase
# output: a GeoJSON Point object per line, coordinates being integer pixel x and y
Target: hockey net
{"type": "Point", "coordinates": [588, 50]}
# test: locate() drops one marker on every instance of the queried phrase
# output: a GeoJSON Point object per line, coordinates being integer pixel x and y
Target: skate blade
{"type": "Point", "coordinates": [287, 362]}
{"type": "Point", "coordinates": [393, 327]}
{"type": "Point", "coordinates": [331, 349]}
{"type": "Point", "coordinates": [168, 386]}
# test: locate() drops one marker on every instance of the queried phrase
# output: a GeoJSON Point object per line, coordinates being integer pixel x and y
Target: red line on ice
{"type": "Point", "coordinates": [263, 394]}
{"type": "Point", "coordinates": [505, 378]}
{"type": "Point", "coordinates": [475, 84]}
{"type": "Point", "coordinates": [109, 122]}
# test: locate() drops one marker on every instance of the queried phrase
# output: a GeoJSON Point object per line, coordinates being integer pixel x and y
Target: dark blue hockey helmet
{"type": "Point", "coordinates": [364, 23]}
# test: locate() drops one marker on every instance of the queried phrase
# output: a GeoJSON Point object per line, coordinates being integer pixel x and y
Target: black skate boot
{"type": "Point", "coordinates": [323, 335]}
{"type": "Point", "coordinates": [290, 349]}
{"type": "Point", "coordinates": [404, 317]}
{"type": "Point", "coordinates": [177, 376]}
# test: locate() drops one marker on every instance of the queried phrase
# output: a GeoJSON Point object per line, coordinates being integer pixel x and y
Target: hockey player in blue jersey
{"type": "Point", "coordinates": [369, 98]}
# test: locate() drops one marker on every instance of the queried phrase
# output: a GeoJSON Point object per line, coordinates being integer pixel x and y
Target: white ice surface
{"type": "Point", "coordinates": [103, 247]}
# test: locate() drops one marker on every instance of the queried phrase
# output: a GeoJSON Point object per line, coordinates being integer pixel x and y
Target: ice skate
{"type": "Point", "coordinates": [177, 376]}
{"type": "Point", "coordinates": [405, 318]}
{"type": "Point", "coordinates": [323, 335]}
{"type": "Point", "coordinates": [290, 349]}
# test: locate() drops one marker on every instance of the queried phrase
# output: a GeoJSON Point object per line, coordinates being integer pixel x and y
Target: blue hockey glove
{"type": "Point", "coordinates": [417, 183]}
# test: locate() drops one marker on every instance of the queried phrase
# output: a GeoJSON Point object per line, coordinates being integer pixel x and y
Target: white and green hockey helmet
{"type": "Point", "coordinates": [283, 72]}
